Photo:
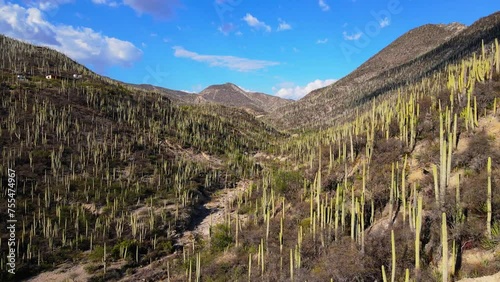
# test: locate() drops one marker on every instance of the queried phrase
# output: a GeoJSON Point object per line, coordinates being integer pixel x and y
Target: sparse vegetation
{"type": "Point", "coordinates": [401, 189]}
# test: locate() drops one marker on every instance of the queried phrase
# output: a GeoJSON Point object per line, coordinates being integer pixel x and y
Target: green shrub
{"type": "Point", "coordinates": [165, 246]}
{"type": "Point", "coordinates": [287, 183]}
{"type": "Point", "coordinates": [92, 268]}
{"type": "Point", "coordinates": [97, 254]}
{"type": "Point", "coordinates": [221, 237]}
{"type": "Point", "coordinates": [124, 249]}
{"type": "Point", "coordinates": [305, 223]}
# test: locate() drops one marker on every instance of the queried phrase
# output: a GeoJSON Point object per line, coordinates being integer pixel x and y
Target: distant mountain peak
{"type": "Point", "coordinates": [230, 94]}
{"type": "Point", "coordinates": [453, 27]}
{"type": "Point", "coordinates": [415, 54]}
{"type": "Point", "coordinates": [225, 86]}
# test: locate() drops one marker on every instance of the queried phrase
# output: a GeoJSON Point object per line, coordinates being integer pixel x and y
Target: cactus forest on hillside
{"type": "Point", "coordinates": [111, 175]}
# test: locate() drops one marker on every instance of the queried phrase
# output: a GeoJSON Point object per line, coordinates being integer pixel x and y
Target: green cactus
{"type": "Point", "coordinates": [444, 243]}
{"type": "Point", "coordinates": [436, 184]}
{"type": "Point", "coordinates": [384, 276]}
{"type": "Point", "coordinates": [488, 201]}
{"type": "Point", "coordinates": [418, 230]}
{"type": "Point", "coordinates": [393, 251]}
{"type": "Point", "coordinates": [497, 56]}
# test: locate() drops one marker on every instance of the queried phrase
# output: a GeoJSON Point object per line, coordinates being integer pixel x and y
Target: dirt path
{"type": "Point", "coordinates": [70, 273]}
{"type": "Point", "coordinates": [213, 212]}
{"type": "Point", "coordinates": [73, 273]}
{"type": "Point", "coordinates": [491, 278]}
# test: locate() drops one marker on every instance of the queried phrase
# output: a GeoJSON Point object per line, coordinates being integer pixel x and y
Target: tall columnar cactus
{"type": "Point", "coordinates": [198, 267]}
{"type": "Point", "coordinates": [488, 201]}
{"type": "Point", "coordinates": [384, 276]}
{"type": "Point", "coordinates": [497, 56]}
{"type": "Point", "coordinates": [337, 209]}
{"type": "Point", "coordinates": [444, 243]}
{"type": "Point", "coordinates": [455, 136]}
{"type": "Point", "coordinates": [403, 188]}
{"type": "Point", "coordinates": [318, 187]}
{"type": "Point", "coordinates": [393, 248]}
{"type": "Point", "coordinates": [352, 146]}
{"type": "Point", "coordinates": [391, 194]}
{"type": "Point", "coordinates": [436, 184]}
{"type": "Point", "coordinates": [250, 266]}
{"type": "Point", "coordinates": [418, 230]}
{"type": "Point", "coordinates": [461, 80]}
{"type": "Point", "coordinates": [442, 162]}
{"type": "Point", "coordinates": [453, 257]}
{"type": "Point", "coordinates": [476, 116]}
{"type": "Point", "coordinates": [353, 214]}
{"type": "Point", "coordinates": [104, 258]}
{"type": "Point", "coordinates": [445, 149]}
{"type": "Point", "coordinates": [362, 213]}
{"type": "Point", "coordinates": [458, 207]}
{"type": "Point", "coordinates": [449, 150]}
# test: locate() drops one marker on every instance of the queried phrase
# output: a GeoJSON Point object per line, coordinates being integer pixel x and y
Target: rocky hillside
{"type": "Point", "coordinates": [231, 95]}
{"type": "Point", "coordinates": [176, 96]}
{"type": "Point", "coordinates": [224, 94]}
{"type": "Point", "coordinates": [96, 155]}
{"type": "Point", "coordinates": [116, 182]}
{"type": "Point", "coordinates": [417, 53]}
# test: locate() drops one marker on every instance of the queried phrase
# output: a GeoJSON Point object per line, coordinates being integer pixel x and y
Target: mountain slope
{"type": "Point", "coordinates": [111, 178]}
{"type": "Point", "coordinates": [224, 94]}
{"type": "Point", "coordinates": [408, 59]}
{"type": "Point", "coordinates": [175, 95]}
{"type": "Point", "coordinates": [420, 40]}
{"type": "Point", "coordinates": [231, 95]}
{"type": "Point", "coordinates": [94, 153]}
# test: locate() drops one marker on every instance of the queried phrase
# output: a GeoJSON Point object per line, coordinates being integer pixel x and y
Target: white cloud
{"type": "Point", "coordinates": [106, 2]}
{"type": "Point", "coordinates": [82, 44]}
{"type": "Point", "coordinates": [322, 41]}
{"type": "Point", "coordinates": [195, 89]}
{"type": "Point", "coordinates": [158, 8]}
{"type": "Point", "coordinates": [354, 36]}
{"type": "Point", "coordinates": [291, 91]}
{"type": "Point", "coordinates": [283, 25]}
{"type": "Point", "coordinates": [324, 7]}
{"type": "Point", "coordinates": [385, 22]}
{"type": "Point", "coordinates": [246, 90]}
{"type": "Point", "coordinates": [45, 5]}
{"type": "Point", "coordinates": [230, 62]}
{"type": "Point", "coordinates": [255, 23]}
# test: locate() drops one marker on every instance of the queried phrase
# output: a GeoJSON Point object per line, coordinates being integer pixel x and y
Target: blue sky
{"type": "Point", "coordinates": [282, 47]}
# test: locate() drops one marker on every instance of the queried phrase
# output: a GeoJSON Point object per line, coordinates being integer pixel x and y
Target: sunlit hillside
{"type": "Point", "coordinates": [398, 181]}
